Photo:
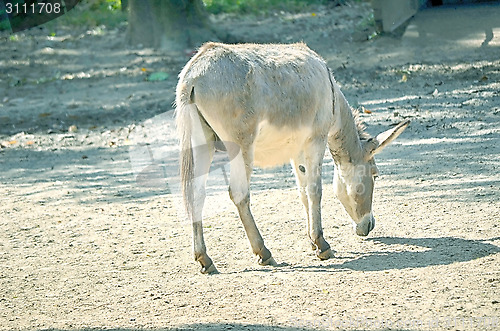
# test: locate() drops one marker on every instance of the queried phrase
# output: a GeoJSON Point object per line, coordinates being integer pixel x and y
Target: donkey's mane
{"type": "Point", "coordinates": [360, 125]}
{"type": "Point", "coordinates": [339, 97]}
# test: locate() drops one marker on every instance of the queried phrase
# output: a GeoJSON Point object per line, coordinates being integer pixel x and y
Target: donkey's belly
{"type": "Point", "coordinates": [276, 146]}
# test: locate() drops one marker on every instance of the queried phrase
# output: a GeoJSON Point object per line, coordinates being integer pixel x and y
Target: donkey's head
{"type": "Point", "coordinates": [354, 180]}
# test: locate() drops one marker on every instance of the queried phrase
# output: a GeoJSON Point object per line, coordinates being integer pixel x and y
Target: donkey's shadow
{"type": "Point", "coordinates": [416, 253]}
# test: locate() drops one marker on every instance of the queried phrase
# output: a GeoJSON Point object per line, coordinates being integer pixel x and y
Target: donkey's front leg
{"type": "Point", "coordinates": [240, 194]}
{"type": "Point", "coordinates": [314, 192]}
{"type": "Point", "coordinates": [300, 175]}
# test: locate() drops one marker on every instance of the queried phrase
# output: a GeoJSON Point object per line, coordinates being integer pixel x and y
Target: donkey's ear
{"type": "Point", "coordinates": [386, 137]}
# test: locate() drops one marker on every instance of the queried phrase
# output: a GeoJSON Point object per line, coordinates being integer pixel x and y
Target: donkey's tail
{"type": "Point", "coordinates": [184, 110]}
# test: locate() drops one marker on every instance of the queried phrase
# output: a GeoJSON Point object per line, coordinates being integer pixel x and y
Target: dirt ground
{"type": "Point", "coordinates": [91, 236]}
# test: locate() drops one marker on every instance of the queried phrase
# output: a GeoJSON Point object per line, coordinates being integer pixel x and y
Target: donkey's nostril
{"type": "Point", "coordinates": [372, 223]}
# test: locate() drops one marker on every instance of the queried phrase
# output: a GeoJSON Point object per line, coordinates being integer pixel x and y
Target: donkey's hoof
{"type": "Point", "coordinates": [211, 270]}
{"type": "Point", "coordinates": [325, 255]}
{"type": "Point", "coordinates": [270, 261]}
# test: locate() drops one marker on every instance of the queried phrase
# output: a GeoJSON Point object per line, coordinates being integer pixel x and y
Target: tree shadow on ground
{"type": "Point", "coordinates": [297, 325]}
{"type": "Point", "coordinates": [416, 253]}
{"type": "Point", "coordinates": [116, 169]}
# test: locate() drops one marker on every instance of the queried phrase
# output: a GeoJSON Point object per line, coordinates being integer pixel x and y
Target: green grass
{"type": "Point", "coordinates": [87, 13]}
{"type": "Point", "coordinates": [258, 6]}
{"type": "Point", "coordinates": [92, 13]}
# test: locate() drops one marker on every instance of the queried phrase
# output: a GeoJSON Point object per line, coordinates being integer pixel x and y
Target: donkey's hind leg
{"type": "Point", "coordinates": [239, 191]}
{"type": "Point", "coordinates": [203, 152]}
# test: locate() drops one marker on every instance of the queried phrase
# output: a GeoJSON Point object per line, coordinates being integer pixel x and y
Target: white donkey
{"type": "Point", "coordinates": [268, 105]}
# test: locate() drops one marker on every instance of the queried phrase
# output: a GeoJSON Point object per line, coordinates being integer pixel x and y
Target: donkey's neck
{"type": "Point", "coordinates": [343, 139]}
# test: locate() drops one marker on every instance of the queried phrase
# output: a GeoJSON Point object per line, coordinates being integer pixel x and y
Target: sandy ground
{"type": "Point", "coordinates": [91, 236]}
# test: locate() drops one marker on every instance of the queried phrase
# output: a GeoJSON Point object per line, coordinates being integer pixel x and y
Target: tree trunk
{"type": "Point", "coordinates": [124, 5]}
{"type": "Point", "coordinates": [168, 24]}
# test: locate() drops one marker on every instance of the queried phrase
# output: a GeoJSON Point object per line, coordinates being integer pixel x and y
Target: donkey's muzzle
{"type": "Point", "coordinates": [367, 224]}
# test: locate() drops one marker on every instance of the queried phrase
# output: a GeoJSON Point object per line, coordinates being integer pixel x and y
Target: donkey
{"type": "Point", "coordinates": [268, 105]}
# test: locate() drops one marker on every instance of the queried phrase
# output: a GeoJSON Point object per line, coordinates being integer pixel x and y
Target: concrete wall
{"type": "Point", "coordinates": [455, 2]}
{"type": "Point", "coordinates": [390, 14]}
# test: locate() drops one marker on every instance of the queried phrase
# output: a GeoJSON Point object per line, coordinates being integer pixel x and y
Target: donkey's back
{"type": "Point", "coordinates": [275, 94]}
